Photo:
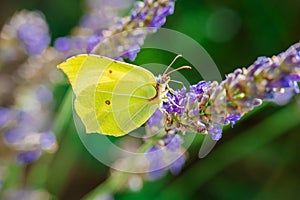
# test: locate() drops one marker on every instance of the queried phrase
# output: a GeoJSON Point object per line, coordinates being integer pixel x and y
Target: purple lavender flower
{"type": "Point", "coordinates": [159, 160]}
{"type": "Point", "coordinates": [176, 102]}
{"type": "Point", "coordinates": [71, 45]}
{"type": "Point", "coordinates": [174, 142]}
{"type": "Point", "coordinates": [131, 53]}
{"type": "Point", "coordinates": [92, 41]}
{"type": "Point", "coordinates": [176, 166]}
{"type": "Point", "coordinates": [130, 32]}
{"type": "Point", "coordinates": [153, 153]}
{"type": "Point", "coordinates": [23, 136]}
{"type": "Point", "coordinates": [233, 118]}
{"type": "Point", "coordinates": [47, 140]}
{"type": "Point", "coordinates": [155, 119]}
{"type": "Point", "coordinates": [216, 132]}
{"type": "Point", "coordinates": [4, 116]}
{"type": "Point", "coordinates": [13, 135]}
{"type": "Point", "coordinates": [63, 44]}
{"type": "Point", "coordinates": [155, 171]}
{"type": "Point", "coordinates": [160, 15]}
{"type": "Point", "coordinates": [28, 156]}
{"type": "Point", "coordinates": [282, 98]}
{"type": "Point", "coordinates": [34, 35]}
{"type": "Point", "coordinates": [199, 88]}
{"type": "Point", "coordinates": [207, 107]}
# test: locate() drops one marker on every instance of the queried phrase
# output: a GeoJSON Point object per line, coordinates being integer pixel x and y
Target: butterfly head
{"type": "Point", "coordinates": [162, 81]}
{"type": "Point", "coordinates": [165, 77]}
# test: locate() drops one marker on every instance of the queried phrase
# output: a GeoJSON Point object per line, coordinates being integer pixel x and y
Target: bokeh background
{"type": "Point", "coordinates": [257, 159]}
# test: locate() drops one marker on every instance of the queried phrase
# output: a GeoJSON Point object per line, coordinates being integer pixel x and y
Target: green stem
{"type": "Point", "coordinates": [40, 171]}
{"type": "Point", "coordinates": [116, 181]}
{"type": "Point", "coordinates": [64, 115]}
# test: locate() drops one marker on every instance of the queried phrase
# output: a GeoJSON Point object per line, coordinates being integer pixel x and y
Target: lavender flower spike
{"type": "Point", "coordinates": [128, 35]}
{"type": "Point", "coordinates": [209, 106]}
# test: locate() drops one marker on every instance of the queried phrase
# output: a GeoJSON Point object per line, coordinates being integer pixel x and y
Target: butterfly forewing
{"type": "Point", "coordinates": [112, 97]}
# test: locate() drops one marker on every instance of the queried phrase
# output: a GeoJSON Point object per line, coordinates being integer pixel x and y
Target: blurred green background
{"type": "Point", "coordinates": [257, 159]}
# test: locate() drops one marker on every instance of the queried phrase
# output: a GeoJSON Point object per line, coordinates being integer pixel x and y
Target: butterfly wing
{"type": "Point", "coordinates": [112, 98]}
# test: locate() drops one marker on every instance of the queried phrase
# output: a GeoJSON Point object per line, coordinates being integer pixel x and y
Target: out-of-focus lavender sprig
{"type": "Point", "coordinates": [99, 16]}
{"type": "Point", "coordinates": [123, 38]}
{"type": "Point", "coordinates": [28, 29]}
{"type": "Point", "coordinates": [23, 131]}
{"type": "Point", "coordinates": [168, 155]}
{"type": "Point", "coordinates": [25, 94]}
{"type": "Point", "coordinates": [208, 106]}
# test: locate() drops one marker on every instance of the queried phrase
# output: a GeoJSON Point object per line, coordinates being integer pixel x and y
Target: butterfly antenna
{"type": "Point", "coordinates": [178, 82]}
{"type": "Point", "coordinates": [178, 56]}
{"type": "Point", "coordinates": [182, 67]}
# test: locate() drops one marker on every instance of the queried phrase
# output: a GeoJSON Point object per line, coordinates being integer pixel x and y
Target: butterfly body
{"type": "Point", "coordinates": [113, 97]}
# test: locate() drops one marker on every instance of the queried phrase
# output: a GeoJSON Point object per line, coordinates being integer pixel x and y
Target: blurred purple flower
{"type": "Point", "coordinates": [155, 119]}
{"type": "Point", "coordinates": [174, 142]}
{"type": "Point", "coordinates": [63, 44]}
{"type": "Point", "coordinates": [34, 35]}
{"type": "Point", "coordinates": [4, 115]}
{"type": "Point", "coordinates": [43, 94]}
{"type": "Point", "coordinates": [233, 118]}
{"type": "Point", "coordinates": [282, 98]}
{"type": "Point", "coordinates": [160, 14]}
{"type": "Point", "coordinates": [13, 135]}
{"type": "Point", "coordinates": [131, 52]}
{"type": "Point", "coordinates": [176, 166]}
{"type": "Point", "coordinates": [28, 156]}
{"type": "Point", "coordinates": [216, 132]}
{"type": "Point", "coordinates": [125, 38]}
{"type": "Point", "coordinates": [156, 168]}
{"type": "Point", "coordinates": [92, 41]}
{"type": "Point", "coordinates": [155, 171]}
{"type": "Point", "coordinates": [153, 153]}
{"type": "Point", "coordinates": [47, 140]}
{"type": "Point", "coordinates": [176, 102]}
{"type": "Point", "coordinates": [71, 45]}
{"type": "Point", "coordinates": [26, 139]}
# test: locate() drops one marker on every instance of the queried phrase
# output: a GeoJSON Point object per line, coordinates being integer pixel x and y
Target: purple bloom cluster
{"type": "Point", "coordinates": [156, 166]}
{"type": "Point", "coordinates": [130, 32]}
{"type": "Point", "coordinates": [4, 116]}
{"type": "Point", "coordinates": [207, 107]}
{"type": "Point", "coordinates": [162, 159]}
{"type": "Point", "coordinates": [154, 120]}
{"type": "Point", "coordinates": [124, 38]}
{"type": "Point", "coordinates": [216, 132]}
{"type": "Point", "coordinates": [34, 34]}
{"type": "Point", "coordinates": [157, 14]}
{"type": "Point", "coordinates": [176, 101]}
{"type": "Point", "coordinates": [233, 118]}
{"type": "Point", "coordinates": [20, 134]}
{"type": "Point", "coordinates": [71, 45]}
{"type": "Point", "coordinates": [173, 142]}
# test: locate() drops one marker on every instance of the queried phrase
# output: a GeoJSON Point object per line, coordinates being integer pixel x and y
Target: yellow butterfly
{"type": "Point", "coordinates": [113, 97]}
